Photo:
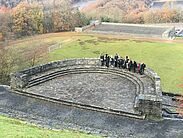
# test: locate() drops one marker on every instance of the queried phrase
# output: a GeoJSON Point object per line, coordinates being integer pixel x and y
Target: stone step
{"type": "Point", "coordinates": [53, 75]}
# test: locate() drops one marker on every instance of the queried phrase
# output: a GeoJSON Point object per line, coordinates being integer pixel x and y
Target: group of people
{"type": "Point", "coordinates": [122, 63]}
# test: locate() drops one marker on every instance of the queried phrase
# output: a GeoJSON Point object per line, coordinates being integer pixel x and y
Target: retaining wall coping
{"type": "Point", "coordinates": [138, 25]}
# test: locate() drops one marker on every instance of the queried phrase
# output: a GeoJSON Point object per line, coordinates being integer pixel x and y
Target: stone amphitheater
{"type": "Point", "coordinates": [80, 94]}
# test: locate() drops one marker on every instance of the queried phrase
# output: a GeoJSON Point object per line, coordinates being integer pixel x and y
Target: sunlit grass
{"type": "Point", "coordinates": [12, 128]}
{"type": "Point", "coordinates": [166, 58]}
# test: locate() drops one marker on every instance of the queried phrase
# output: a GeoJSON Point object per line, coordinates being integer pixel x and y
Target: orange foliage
{"type": "Point", "coordinates": [90, 7]}
{"type": "Point", "coordinates": [4, 10]}
{"type": "Point", "coordinates": [117, 10]}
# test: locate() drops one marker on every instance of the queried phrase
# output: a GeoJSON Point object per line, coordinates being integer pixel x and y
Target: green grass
{"type": "Point", "coordinates": [165, 58]}
{"type": "Point", "coordinates": [12, 128]}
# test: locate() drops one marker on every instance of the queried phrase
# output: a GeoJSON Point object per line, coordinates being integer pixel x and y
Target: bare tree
{"type": "Point", "coordinates": [33, 55]}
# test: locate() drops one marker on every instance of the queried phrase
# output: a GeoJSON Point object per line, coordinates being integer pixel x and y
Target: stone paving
{"type": "Point", "coordinates": [101, 90]}
{"type": "Point", "coordinates": [58, 116]}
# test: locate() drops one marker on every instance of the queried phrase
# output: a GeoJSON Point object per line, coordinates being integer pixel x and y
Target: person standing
{"type": "Point", "coordinates": [116, 60]}
{"type": "Point", "coordinates": [143, 66]}
{"type": "Point", "coordinates": [112, 61]}
{"type": "Point", "coordinates": [126, 62]}
{"type": "Point", "coordinates": [102, 59]}
{"type": "Point", "coordinates": [134, 66]}
{"type": "Point", "coordinates": [138, 67]}
{"type": "Point", "coordinates": [116, 57]}
{"type": "Point", "coordinates": [130, 65]}
{"type": "Point", "coordinates": [107, 61]}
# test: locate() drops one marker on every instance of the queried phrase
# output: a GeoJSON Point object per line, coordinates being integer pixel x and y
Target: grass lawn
{"type": "Point", "coordinates": [166, 58]}
{"type": "Point", "coordinates": [12, 128]}
{"type": "Point", "coordinates": [179, 38]}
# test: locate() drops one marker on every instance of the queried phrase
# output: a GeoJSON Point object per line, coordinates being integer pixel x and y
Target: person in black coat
{"type": "Point", "coordinates": [116, 60]}
{"type": "Point", "coordinates": [134, 66]}
{"type": "Point", "coordinates": [115, 63]}
{"type": "Point", "coordinates": [142, 68]}
{"type": "Point", "coordinates": [107, 61]}
{"type": "Point", "coordinates": [121, 63]}
{"type": "Point", "coordinates": [102, 59]}
{"type": "Point", "coordinates": [112, 61]}
{"type": "Point", "coordinates": [130, 65]}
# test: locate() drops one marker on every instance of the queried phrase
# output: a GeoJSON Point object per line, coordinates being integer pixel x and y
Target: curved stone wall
{"type": "Point", "coordinates": [148, 95]}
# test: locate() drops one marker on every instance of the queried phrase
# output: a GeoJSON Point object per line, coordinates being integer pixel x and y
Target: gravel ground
{"type": "Point", "coordinates": [101, 90]}
{"type": "Point", "coordinates": [58, 116]}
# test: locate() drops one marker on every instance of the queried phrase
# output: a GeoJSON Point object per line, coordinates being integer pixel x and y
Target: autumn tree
{"type": "Point", "coordinates": [62, 15]}
{"type": "Point", "coordinates": [133, 17]}
{"type": "Point", "coordinates": [27, 19]}
{"type": "Point", "coordinates": [79, 19]}
{"type": "Point", "coordinates": [164, 15]}
{"type": "Point", "coordinates": [5, 22]}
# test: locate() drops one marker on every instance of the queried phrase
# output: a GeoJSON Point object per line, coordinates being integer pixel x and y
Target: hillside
{"type": "Point", "coordinates": [115, 9]}
{"type": "Point", "coordinates": [13, 3]}
{"type": "Point", "coordinates": [124, 5]}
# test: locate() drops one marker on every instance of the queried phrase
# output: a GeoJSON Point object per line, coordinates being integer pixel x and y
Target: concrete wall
{"type": "Point", "coordinates": [92, 24]}
{"type": "Point", "coordinates": [136, 30]}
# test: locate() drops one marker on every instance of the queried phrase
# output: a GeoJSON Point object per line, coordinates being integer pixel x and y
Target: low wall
{"type": "Point", "coordinates": [81, 29]}
{"type": "Point", "coordinates": [92, 24]}
{"type": "Point", "coordinates": [148, 103]}
{"type": "Point", "coordinates": [20, 79]}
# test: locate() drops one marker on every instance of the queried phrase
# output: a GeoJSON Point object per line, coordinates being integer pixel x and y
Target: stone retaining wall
{"type": "Point", "coordinates": [151, 104]}
{"type": "Point", "coordinates": [148, 104]}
